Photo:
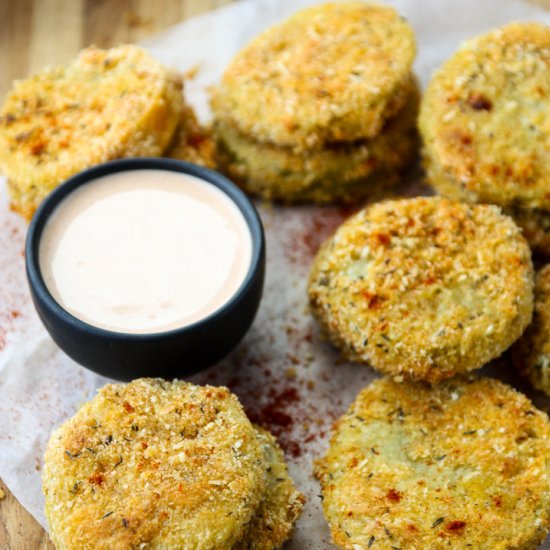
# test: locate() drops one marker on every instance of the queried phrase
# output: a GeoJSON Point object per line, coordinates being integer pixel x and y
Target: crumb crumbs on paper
{"type": "Point", "coordinates": [192, 72]}
{"type": "Point", "coordinates": [308, 237]}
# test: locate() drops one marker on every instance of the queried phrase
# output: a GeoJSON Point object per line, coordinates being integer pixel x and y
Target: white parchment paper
{"type": "Point", "coordinates": [283, 373]}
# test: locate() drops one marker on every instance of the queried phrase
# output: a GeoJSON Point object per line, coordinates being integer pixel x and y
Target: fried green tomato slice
{"type": "Point", "coordinates": [531, 354]}
{"type": "Point", "coordinates": [331, 72]}
{"type": "Point", "coordinates": [424, 288]}
{"type": "Point", "coordinates": [535, 222]}
{"type": "Point", "coordinates": [464, 464]}
{"type": "Point", "coordinates": [343, 172]}
{"type": "Point", "coordinates": [484, 119]}
{"type": "Point", "coordinates": [104, 105]}
{"type": "Point", "coordinates": [154, 464]}
{"type": "Point", "coordinates": [281, 506]}
{"type": "Point", "coordinates": [192, 142]}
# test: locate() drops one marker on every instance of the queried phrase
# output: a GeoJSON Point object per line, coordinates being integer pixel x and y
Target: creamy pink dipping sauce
{"type": "Point", "coordinates": [145, 251]}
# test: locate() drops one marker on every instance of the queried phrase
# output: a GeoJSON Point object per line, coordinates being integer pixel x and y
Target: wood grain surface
{"type": "Point", "coordinates": [38, 33]}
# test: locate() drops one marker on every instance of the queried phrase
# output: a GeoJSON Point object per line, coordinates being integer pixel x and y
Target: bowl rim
{"type": "Point", "coordinates": [56, 197]}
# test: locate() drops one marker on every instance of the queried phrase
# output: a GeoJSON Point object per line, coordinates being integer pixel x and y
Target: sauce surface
{"type": "Point", "coordinates": [145, 251]}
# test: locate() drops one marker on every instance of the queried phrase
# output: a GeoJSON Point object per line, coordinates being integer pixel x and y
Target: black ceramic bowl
{"type": "Point", "coordinates": [171, 354]}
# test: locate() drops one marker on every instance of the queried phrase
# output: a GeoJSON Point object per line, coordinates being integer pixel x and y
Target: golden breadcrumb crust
{"type": "Point", "coordinates": [343, 172]}
{"type": "Point", "coordinates": [424, 288]}
{"type": "Point", "coordinates": [329, 73]}
{"type": "Point", "coordinates": [154, 464]}
{"type": "Point", "coordinates": [535, 222]}
{"type": "Point", "coordinates": [192, 142]}
{"type": "Point", "coordinates": [104, 105]}
{"type": "Point", "coordinates": [281, 506]}
{"type": "Point", "coordinates": [484, 119]}
{"type": "Point", "coordinates": [464, 464]}
{"type": "Point", "coordinates": [531, 354]}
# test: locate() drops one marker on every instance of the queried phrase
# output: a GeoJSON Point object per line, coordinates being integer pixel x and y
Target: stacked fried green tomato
{"type": "Point", "coordinates": [321, 107]}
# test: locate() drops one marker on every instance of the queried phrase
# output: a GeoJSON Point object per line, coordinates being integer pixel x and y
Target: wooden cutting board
{"type": "Point", "coordinates": [39, 33]}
